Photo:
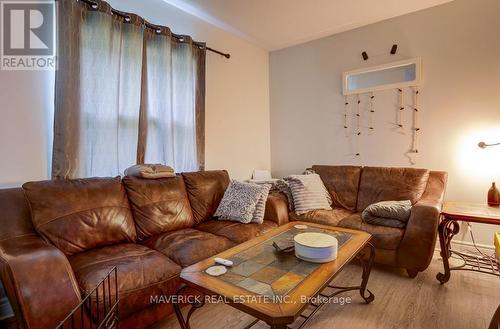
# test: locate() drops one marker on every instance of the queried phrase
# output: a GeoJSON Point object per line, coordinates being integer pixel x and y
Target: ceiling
{"type": "Point", "coordinates": [275, 24]}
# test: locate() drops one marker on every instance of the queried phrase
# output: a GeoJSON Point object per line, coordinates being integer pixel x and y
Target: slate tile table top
{"type": "Point", "coordinates": [270, 285]}
{"type": "Point", "coordinates": [262, 270]}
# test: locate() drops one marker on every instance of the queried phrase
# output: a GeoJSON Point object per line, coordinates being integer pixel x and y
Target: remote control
{"type": "Point", "coordinates": [223, 261]}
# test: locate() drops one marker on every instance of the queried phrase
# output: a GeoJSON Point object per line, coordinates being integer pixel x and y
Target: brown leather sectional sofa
{"type": "Point", "coordinates": [354, 188]}
{"type": "Point", "coordinates": [59, 238]}
{"type": "Point", "coordinates": [79, 229]}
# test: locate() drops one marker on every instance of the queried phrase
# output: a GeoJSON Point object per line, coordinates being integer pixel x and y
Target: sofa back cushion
{"type": "Point", "coordinates": [385, 184]}
{"type": "Point", "coordinates": [15, 214]}
{"type": "Point", "coordinates": [205, 191]}
{"type": "Point", "coordinates": [342, 182]}
{"type": "Point", "coordinates": [158, 205]}
{"type": "Point", "coordinates": [436, 187]}
{"type": "Point", "coordinates": [81, 214]}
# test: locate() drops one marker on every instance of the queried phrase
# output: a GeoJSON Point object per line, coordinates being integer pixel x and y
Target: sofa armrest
{"type": "Point", "coordinates": [276, 209]}
{"type": "Point", "coordinates": [38, 280]}
{"type": "Point", "coordinates": [417, 246]}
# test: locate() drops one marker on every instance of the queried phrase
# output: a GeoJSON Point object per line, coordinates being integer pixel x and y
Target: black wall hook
{"type": "Point", "coordinates": [394, 49]}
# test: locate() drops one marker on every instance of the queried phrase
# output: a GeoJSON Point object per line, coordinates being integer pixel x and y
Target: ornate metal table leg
{"type": "Point", "coordinates": [367, 268]}
{"type": "Point", "coordinates": [446, 230]}
{"type": "Point", "coordinates": [367, 263]}
{"type": "Point", "coordinates": [196, 304]}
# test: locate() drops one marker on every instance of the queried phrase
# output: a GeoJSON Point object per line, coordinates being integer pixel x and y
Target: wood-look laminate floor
{"type": "Point", "coordinates": [467, 301]}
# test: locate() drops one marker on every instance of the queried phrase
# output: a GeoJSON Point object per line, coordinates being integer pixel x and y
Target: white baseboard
{"type": "Point", "coordinates": [468, 245]}
{"type": "Point", "coordinates": [5, 309]}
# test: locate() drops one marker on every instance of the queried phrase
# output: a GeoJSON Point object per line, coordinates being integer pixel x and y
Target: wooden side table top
{"type": "Point", "coordinates": [471, 212]}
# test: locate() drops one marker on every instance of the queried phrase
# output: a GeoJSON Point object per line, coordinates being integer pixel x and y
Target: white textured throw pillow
{"type": "Point", "coordinates": [260, 208]}
{"type": "Point", "coordinates": [283, 187]}
{"type": "Point", "coordinates": [239, 202]}
{"type": "Point", "coordinates": [308, 193]}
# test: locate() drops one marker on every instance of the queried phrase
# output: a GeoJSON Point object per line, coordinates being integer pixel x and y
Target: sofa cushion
{"type": "Point", "coordinates": [308, 192]}
{"type": "Point", "coordinates": [260, 207]}
{"type": "Point", "coordinates": [188, 246]}
{"type": "Point", "coordinates": [158, 205]}
{"type": "Point", "coordinates": [15, 216]}
{"type": "Point", "coordinates": [236, 232]}
{"type": "Point", "coordinates": [383, 237]}
{"type": "Point", "coordinates": [81, 214]}
{"type": "Point", "coordinates": [391, 184]}
{"type": "Point", "coordinates": [142, 272]}
{"type": "Point", "coordinates": [327, 217]}
{"type": "Point", "coordinates": [342, 182]}
{"type": "Point", "coordinates": [277, 208]}
{"type": "Point", "coordinates": [205, 191]}
{"type": "Point", "coordinates": [239, 202]}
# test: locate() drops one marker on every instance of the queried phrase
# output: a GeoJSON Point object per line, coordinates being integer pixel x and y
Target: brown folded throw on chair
{"type": "Point", "coordinates": [151, 171]}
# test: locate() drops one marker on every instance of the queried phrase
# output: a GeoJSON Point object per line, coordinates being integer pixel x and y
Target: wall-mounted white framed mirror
{"type": "Point", "coordinates": [399, 74]}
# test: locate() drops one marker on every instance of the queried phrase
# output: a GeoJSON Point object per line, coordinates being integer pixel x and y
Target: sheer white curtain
{"type": "Point", "coordinates": [171, 122]}
{"type": "Point", "coordinates": [110, 75]}
{"type": "Point", "coordinates": [125, 94]}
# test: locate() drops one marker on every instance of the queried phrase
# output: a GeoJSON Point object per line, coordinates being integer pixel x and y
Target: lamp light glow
{"type": "Point", "coordinates": [479, 161]}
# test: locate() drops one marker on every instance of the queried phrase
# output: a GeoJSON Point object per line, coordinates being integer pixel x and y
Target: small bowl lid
{"type": "Point", "coordinates": [216, 270]}
{"type": "Point", "coordinates": [315, 240]}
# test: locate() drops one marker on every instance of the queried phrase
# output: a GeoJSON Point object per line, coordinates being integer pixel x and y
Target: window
{"type": "Point", "coordinates": [118, 104]}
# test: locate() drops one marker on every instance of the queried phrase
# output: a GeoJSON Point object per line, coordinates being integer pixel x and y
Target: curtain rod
{"type": "Point", "coordinates": [95, 5]}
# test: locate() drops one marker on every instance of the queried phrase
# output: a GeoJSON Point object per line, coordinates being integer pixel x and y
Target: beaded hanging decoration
{"type": "Point", "coordinates": [401, 108]}
{"type": "Point", "coordinates": [346, 104]}
{"type": "Point", "coordinates": [372, 111]}
{"type": "Point", "coordinates": [356, 131]}
{"type": "Point", "coordinates": [416, 126]}
{"type": "Point", "coordinates": [358, 126]}
{"type": "Point", "coordinates": [413, 152]}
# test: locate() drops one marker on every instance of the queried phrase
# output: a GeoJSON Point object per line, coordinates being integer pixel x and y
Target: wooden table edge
{"type": "Point", "coordinates": [454, 210]}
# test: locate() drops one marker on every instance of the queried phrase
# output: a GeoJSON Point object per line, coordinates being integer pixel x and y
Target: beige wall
{"type": "Point", "coordinates": [460, 99]}
{"type": "Point", "coordinates": [237, 103]}
{"type": "Point", "coordinates": [27, 98]}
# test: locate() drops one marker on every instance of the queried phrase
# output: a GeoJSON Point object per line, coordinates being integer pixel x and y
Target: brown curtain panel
{"type": "Point", "coordinates": [127, 92]}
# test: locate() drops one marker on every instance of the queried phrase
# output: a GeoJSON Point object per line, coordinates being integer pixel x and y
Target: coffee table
{"type": "Point", "coordinates": [277, 287]}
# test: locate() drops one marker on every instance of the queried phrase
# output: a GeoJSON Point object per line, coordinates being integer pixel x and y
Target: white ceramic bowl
{"type": "Point", "coordinates": [315, 247]}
